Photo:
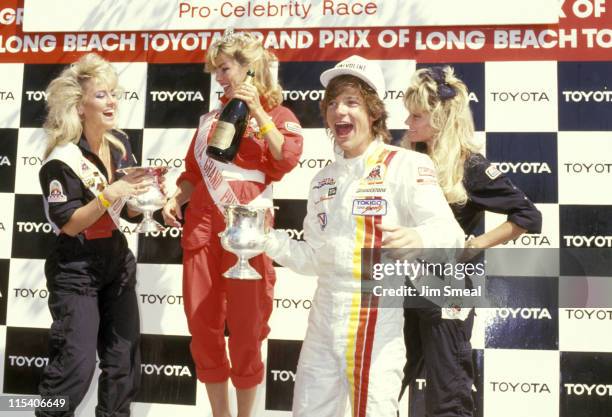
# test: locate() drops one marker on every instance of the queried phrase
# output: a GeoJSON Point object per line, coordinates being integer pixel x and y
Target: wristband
{"type": "Point", "coordinates": [267, 127]}
{"type": "Point", "coordinates": [103, 200]}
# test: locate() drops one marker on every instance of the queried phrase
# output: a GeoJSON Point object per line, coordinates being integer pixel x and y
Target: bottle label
{"type": "Point", "coordinates": [223, 135]}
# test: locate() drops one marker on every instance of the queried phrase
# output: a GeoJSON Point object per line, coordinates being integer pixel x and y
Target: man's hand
{"type": "Point", "coordinates": [400, 237]}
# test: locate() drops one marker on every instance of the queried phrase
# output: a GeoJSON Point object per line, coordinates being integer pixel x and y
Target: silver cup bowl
{"type": "Point", "coordinates": [150, 201]}
{"type": "Point", "coordinates": [244, 236]}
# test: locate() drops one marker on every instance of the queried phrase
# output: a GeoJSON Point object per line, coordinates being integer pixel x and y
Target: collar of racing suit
{"type": "Point", "coordinates": [357, 163]}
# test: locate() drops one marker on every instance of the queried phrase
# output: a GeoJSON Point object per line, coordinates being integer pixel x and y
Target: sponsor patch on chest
{"type": "Point", "coordinates": [328, 194]}
{"type": "Point", "coordinates": [94, 181]}
{"type": "Point", "coordinates": [376, 175]}
{"type": "Point", "coordinates": [324, 182]}
{"type": "Point", "coordinates": [369, 207]}
{"type": "Point", "coordinates": [371, 190]}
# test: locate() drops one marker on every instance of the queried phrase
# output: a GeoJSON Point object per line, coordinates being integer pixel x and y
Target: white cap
{"type": "Point", "coordinates": [361, 68]}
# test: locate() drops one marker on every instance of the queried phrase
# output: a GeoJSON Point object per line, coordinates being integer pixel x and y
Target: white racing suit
{"type": "Point", "coordinates": [358, 351]}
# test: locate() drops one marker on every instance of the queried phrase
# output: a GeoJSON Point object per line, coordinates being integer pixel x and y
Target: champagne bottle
{"type": "Point", "coordinates": [225, 140]}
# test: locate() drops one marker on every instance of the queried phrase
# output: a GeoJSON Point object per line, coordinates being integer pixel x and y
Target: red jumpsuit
{"type": "Point", "coordinates": [210, 300]}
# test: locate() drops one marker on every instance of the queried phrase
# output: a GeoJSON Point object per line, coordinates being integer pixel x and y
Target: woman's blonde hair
{"type": "Point", "coordinates": [64, 94]}
{"type": "Point", "coordinates": [440, 93]}
{"type": "Point", "coordinates": [373, 103]}
{"type": "Point", "coordinates": [249, 52]}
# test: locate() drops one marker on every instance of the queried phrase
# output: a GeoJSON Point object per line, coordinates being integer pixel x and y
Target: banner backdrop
{"type": "Point", "coordinates": [103, 15]}
{"type": "Point", "coordinates": [542, 102]}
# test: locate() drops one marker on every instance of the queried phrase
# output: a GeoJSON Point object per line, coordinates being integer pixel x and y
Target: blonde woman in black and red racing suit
{"type": "Point", "coordinates": [90, 270]}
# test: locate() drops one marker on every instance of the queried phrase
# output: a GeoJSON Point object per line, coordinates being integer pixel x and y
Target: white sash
{"type": "Point", "coordinates": [88, 173]}
{"type": "Point", "coordinates": [215, 173]}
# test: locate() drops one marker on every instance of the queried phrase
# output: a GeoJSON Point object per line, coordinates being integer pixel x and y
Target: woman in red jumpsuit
{"type": "Point", "coordinates": [269, 149]}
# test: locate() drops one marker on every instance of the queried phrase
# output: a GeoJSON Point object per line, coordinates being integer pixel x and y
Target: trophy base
{"type": "Point", "coordinates": [242, 270]}
{"type": "Point", "coordinates": [149, 226]}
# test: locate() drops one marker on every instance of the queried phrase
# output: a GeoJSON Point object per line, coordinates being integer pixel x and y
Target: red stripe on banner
{"type": "Point", "coordinates": [431, 45]}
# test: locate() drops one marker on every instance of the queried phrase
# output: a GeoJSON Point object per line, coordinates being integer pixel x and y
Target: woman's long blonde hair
{"type": "Point", "coordinates": [440, 93]}
{"type": "Point", "coordinates": [249, 52]}
{"type": "Point", "coordinates": [64, 94]}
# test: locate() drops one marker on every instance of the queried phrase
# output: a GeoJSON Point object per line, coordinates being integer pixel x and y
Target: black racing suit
{"type": "Point", "coordinates": [442, 346]}
{"type": "Point", "coordinates": [90, 278]}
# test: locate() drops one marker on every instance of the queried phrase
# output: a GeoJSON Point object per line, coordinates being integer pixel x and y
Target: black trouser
{"type": "Point", "coordinates": [443, 347]}
{"type": "Point", "coordinates": [94, 308]}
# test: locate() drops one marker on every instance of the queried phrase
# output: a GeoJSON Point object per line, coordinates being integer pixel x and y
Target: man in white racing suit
{"type": "Point", "coordinates": [374, 195]}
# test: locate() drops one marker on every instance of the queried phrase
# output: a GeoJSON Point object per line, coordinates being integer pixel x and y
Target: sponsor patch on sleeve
{"type": "Point", "coordinates": [56, 192]}
{"type": "Point", "coordinates": [427, 172]}
{"type": "Point", "coordinates": [293, 127]}
{"type": "Point", "coordinates": [426, 176]}
{"type": "Point", "coordinates": [492, 172]}
{"type": "Point", "coordinates": [427, 181]}
{"type": "Point", "coordinates": [322, 220]}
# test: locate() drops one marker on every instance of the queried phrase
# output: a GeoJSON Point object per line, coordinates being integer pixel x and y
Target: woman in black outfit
{"type": "Point", "coordinates": [90, 270]}
{"type": "Point", "coordinates": [440, 124]}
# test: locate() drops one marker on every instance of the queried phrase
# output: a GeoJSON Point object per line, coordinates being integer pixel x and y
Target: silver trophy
{"type": "Point", "coordinates": [150, 201]}
{"type": "Point", "coordinates": [244, 235]}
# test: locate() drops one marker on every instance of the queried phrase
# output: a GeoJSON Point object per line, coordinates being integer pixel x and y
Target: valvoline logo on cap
{"type": "Point", "coordinates": [352, 65]}
{"type": "Point", "coordinates": [357, 66]}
